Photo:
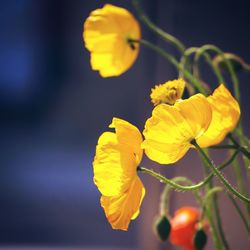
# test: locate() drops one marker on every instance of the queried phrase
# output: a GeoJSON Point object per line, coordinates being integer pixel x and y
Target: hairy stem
{"type": "Point", "coordinates": [179, 187]}
{"type": "Point", "coordinates": [173, 61]}
{"type": "Point", "coordinates": [224, 181]}
{"type": "Point", "coordinates": [238, 209]}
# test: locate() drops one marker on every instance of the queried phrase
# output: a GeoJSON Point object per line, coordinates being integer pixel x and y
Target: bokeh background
{"type": "Point", "coordinates": [53, 108]}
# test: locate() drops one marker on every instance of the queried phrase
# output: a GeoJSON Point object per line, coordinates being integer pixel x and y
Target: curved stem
{"type": "Point", "coordinates": [174, 62]}
{"type": "Point", "coordinates": [179, 187]}
{"type": "Point", "coordinates": [210, 205]}
{"type": "Point", "coordinates": [213, 229]}
{"type": "Point", "coordinates": [238, 171]}
{"type": "Point", "coordinates": [179, 179]}
{"type": "Point", "coordinates": [211, 164]}
{"type": "Point", "coordinates": [166, 36]}
{"type": "Point", "coordinates": [208, 59]}
{"type": "Point", "coordinates": [242, 149]}
{"type": "Point", "coordinates": [215, 68]}
{"type": "Point", "coordinates": [219, 223]}
{"type": "Point", "coordinates": [238, 209]}
{"type": "Point", "coordinates": [213, 192]}
{"type": "Point", "coordinates": [185, 60]}
{"type": "Point", "coordinates": [227, 62]}
{"type": "Point", "coordinates": [242, 137]}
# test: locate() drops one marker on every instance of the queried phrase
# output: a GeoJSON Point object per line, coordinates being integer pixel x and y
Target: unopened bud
{"type": "Point", "coordinates": [200, 239]}
{"type": "Point", "coordinates": [162, 227]}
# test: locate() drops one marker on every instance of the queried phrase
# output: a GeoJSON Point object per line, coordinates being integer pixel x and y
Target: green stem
{"type": "Point", "coordinates": [213, 192]}
{"type": "Point", "coordinates": [227, 62]}
{"type": "Point", "coordinates": [208, 59]}
{"type": "Point", "coordinates": [211, 164]}
{"type": "Point", "coordinates": [238, 171]}
{"type": "Point", "coordinates": [242, 188]}
{"type": "Point", "coordinates": [215, 68]}
{"type": "Point", "coordinates": [166, 36]}
{"type": "Point", "coordinates": [179, 187]}
{"type": "Point", "coordinates": [185, 58]}
{"type": "Point", "coordinates": [219, 224]}
{"type": "Point", "coordinates": [166, 191]}
{"type": "Point", "coordinates": [242, 137]}
{"type": "Point", "coordinates": [238, 209]}
{"type": "Point", "coordinates": [242, 149]}
{"type": "Point", "coordinates": [174, 62]}
{"type": "Point", "coordinates": [224, 147]}
{"type": "Point", "coordinates": [236, 145]}
{"type": "Point", "coordinates": [213, 229]}
{"type": "Point", "coordinates": [210, 205]}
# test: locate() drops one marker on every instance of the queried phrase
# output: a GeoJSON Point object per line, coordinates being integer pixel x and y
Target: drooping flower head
{"type": "Point", "coordinates": [168, 93]}
{"type": "Point", "coordinates": [106, 34]}
{"type": "Point", "coordinates": [117, 157]}
{"type": "Point", "coordinates": [184, 225]}
{"type": "Point", "coordinates": [225, 116]}
{"type": "Point", "coordinates": [171, 128]}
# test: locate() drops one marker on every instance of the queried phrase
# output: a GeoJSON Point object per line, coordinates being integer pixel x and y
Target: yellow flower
{"type": "Point", "coordinates": [169, 92]}
{"type": "Point", "coordinates": [170, 130]}
{"type": "Point", "coordinates": [225, 116]}
{"type": "Point", "coordinates": [117, 157]}
{"type": "Point", "coordinates": [106, 35]}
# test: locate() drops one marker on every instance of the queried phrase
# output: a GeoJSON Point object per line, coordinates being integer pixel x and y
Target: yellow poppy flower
{"type": "Point", "coordinates": [117, 157]}
{"type": "Point", "coordinates": [106, 35]}
{"type": "Point", "coordinates": [170, 130]}
{"type": "Point", "coordinates": [169, 92]}
{"type": "Point", "coordinates": [225, 116]}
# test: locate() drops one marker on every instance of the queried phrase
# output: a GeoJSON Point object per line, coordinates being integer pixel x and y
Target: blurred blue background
{"type": "Point", "coordinates": [53, 108]}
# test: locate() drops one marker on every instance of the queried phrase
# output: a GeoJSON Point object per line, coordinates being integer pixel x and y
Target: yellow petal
{"type": "Point", "coordinates": [121, 209]}
{"type": "Point", "coordinates": [129, 135]}
{"type": "Point", "coordinates": [167, 135]}
{"type": "Point", "coordinates": [106, 33]}
{"type": "Point", "coordinates": [170, 130]}
{"type": "Point", "coordinates": [197, 112]}
{"type": "Point", "coordinates": [114, 165]}
{"type": "Point", "coordinates": [225, 116]}
{"type": "Point", "coordinates": [165, 153]}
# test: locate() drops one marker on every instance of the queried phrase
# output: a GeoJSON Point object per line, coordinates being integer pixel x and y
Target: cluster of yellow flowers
{"type": "Point", "coordinates": [168, 133]}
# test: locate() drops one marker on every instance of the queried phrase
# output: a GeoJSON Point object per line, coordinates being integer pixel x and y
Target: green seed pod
{"type": "Point", "coordinates": [162, 227]}
{"type": "Point", "coordinates": [200, 239]}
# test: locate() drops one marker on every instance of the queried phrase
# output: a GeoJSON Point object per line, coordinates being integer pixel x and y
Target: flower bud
{"type": "Point", "coordinates": [200, 239]}
{"type": "Point", "coordinates": [162, 227]}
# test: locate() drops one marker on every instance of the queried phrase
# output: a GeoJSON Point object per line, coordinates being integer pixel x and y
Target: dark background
{"type": "Point", "coordinates": [53, 108]}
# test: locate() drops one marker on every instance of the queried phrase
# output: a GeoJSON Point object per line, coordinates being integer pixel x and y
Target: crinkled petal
{"type": "Point", "coordinates": [170, 130]}
{"type": "Point", "coordinates": [121, 209]}
{"type": "Point", "coordinates": [164, 153]}
{"type": "Point", "coordinates": [114, 165]}
{"type": "Point", "coordinates": [167, 135]}
{"type": "Point", "coordinates": [197, 112]}
{"type": "Point", "coordinates": [225, 116]}
{"type": "Point", "coordinates": [129, 135]}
